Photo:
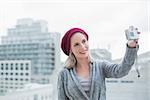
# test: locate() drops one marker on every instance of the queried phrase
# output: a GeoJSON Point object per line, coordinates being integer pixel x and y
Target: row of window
{"type": "Point", "coordinates": [12, 64]}
{"type": "Point", "coordinates": [29, 48]}
{"type": "Point", "coordinates": [16, 79]}
{"type": "Point", "coordinates": [11, 83]}
{"type": "Point", "coordinates": [2, 73]}
{"type": "Point", "coordinates": [116, 81]}
{"type": "Point", "coordinates": [27, 45]}
{"type": "Point", "coordinates": [14, 68]}
{"type": "Point", "coordinates": [2, 91]}
{"type": "Point", "coordinates": [46, 97]}
{"type": "Point", "coordinates": [11, 87]}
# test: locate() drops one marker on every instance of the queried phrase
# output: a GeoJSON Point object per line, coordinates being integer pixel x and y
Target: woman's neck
{"type": "Point", "coordinates": [82, 68]}
{"type": "Point", "coordinates": [83, 63]}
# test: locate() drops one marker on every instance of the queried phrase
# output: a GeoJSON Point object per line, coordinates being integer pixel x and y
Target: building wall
{"type": "Point", "coordinates": [101, 54]}
{"type": "Point", "coordinates": [14, 74]}
{"type": "Point", "coordinates": [131, 87]}
{"type": "Point", "coordinates": [30, 40]}
{"type": "Point", "coordinates": [31, 92]}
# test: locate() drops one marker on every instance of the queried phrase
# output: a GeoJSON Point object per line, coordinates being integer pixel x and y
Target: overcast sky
{"type": "Point", "coordinates": [104, 20]}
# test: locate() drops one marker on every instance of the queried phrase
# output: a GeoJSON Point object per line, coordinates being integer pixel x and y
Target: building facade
{"type": "Point", "coordinates": [31, 92]}
{"type": "Point", "coordinates": [14, 74]}
{"type": "Point", "coordinates": [100, 54]}
{"type": "Point", "coordinates": [131, 87]}
{"type": "Point", "coordinates": [30, 40]}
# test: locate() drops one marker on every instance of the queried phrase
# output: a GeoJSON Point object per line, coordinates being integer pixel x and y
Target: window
{"type": "Point", "coordinates": [11, 68]}
{"type": "Point", "coordinates": [21, 73]}
{"type": "Point", "coordinates": [21, 64]}
{"type": "Point", "coordinates": [6, 73]}
{"type": "Point", "coordinates": [6, 78]}
{"type": "Point", "coordinates": [26, 79]}
{"type": "Point", "coordinates": [6, 67]}
{"type": "Point", "coordinates": [11, 79]}
{"type": "Point", "coordinates": [111, 81]}
{"type": "Point", "coordinates": [27, 64]}
{"type": "Point", "coordinates": [11, 64]}
{"type": "Point", "coordinates": [21, 68]}
{"type": "Point", "coordinates": [127, 81]}
{"type": "Point", "coordinates": [21, 79]}
{"type": "Point", "coordinates": [6, 64]}
{"type": "Point", "coordinates": [16, 79]}
{"type": "Point", "coordinates": [2, 68]}
{"type": "Point", "coordinates": [16, 68]}
{"type": "Point", "coordinates": [27, 74]}
{"type": "Point", "coordinates": [2, 64]}
{"type": "Point", "coordinates": [27, 68]}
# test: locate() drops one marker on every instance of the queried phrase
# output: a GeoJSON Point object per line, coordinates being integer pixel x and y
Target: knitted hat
{"type": "Point", "coordinates": [65, 42]}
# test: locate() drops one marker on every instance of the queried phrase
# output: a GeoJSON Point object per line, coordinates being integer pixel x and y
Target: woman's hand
{"type": "Point", "coordinates": [132, 43]}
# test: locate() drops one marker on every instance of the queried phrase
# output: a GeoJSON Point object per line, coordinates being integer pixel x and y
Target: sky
{"type": "Point", "coordinates": [104, 20]}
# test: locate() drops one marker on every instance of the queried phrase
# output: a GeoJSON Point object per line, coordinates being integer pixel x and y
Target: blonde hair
{"type": "Point", "coordinates": [72, 61]}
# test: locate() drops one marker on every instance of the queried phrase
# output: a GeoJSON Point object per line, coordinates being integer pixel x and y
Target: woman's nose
{"type": "Point", "coordinates": [83, 46]}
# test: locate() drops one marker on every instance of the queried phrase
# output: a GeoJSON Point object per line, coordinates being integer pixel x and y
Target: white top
{"type": "Point", "coordinates": [86, 84]}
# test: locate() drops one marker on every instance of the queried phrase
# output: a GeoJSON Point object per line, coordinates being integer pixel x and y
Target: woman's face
{"type": "Point", "coordinates": [79, 45]}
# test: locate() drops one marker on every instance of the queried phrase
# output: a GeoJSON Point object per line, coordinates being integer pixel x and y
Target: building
{"type": "Point", "coordinates": [30, 40]}
{"type": "Point", "coordinates": [31, 92]}
{"type": "Point", "coordinates": [14, 74]}
{"type": "Point", "coordinates": [100, 54]}
{"type": "Point", "coordinates": [131, 87]}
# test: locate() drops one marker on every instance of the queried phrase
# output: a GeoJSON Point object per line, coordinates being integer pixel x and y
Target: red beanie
{"type": "Point", "coordinates": [65, 42]}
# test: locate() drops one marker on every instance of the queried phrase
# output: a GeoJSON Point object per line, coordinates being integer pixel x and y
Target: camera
{"type": "Point", "coordinates": [132, 33]}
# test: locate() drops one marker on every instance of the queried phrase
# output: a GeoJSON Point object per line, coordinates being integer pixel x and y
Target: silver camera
{"type": "Point", "coordinates": [132, 33]}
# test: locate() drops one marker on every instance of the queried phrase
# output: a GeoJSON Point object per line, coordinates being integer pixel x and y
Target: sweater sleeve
{"type": "Point", "coordinates": [60, 87]}
{"type": "Point", "coordinates": [122, 69]}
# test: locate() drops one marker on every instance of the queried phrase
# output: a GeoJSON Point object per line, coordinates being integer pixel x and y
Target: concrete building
{"type": "Point", "coordinates": [14, 74]}
{"type": "Point", "coordinates": [30, 40]}
{"type": "Point", "coordinates": [131, 87]}
{"type": "Point", "coordinates": [100, 54]}
{"type": "Point", "coordinates": [31, 92]}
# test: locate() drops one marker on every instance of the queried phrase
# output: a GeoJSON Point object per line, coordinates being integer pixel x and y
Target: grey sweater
{"type": "Point", "coordinates": [69, 87]}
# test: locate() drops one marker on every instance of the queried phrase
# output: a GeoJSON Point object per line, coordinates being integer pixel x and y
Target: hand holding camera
{"type": "Point", "coordinates": [132, 35]}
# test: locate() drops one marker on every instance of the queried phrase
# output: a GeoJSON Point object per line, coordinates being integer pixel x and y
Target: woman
{"type": "Point", "coordinates": [83, 78]}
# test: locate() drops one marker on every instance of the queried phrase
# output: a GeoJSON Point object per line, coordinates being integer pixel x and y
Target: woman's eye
{"type": "Point", "coordinates": [83, 41]}
{"type": "Point", "coordinates": [76, 44]}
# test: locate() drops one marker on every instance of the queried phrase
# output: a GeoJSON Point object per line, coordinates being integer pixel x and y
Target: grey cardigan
{"type": "Point", "coordinates": [69, 87]}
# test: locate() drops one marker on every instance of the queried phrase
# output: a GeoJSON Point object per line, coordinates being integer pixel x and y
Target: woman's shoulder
{"type": "Point", "coordinates": [64, 71]}
{"type": "Point", "coordinates": [63, 74]}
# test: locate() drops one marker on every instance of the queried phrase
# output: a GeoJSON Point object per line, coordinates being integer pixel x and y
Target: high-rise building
{"type": "Point", "coordinates": [30, 40]}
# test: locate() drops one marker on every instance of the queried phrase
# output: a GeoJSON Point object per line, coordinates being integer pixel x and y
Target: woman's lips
{"type": "Point", "coordinates": [83, 52]}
